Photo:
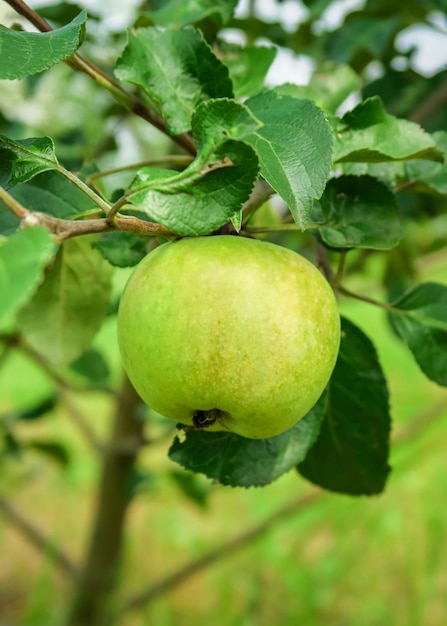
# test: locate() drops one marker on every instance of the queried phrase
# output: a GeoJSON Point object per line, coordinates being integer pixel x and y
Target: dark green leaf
{"type": "Point", "coordinates": [122, 249]}
{"type": "Point", "coordinates": [22, 160]}
{"type": "Point", "coordinates": [52, 449]}
{"type": "Point", "coordinates": [359, 212]}
{"type": "Point", "coordinates": [24, 54]}
{"type": "Point", "coordinates": [22, 261]}
{"type": "Point", "coordinates": [53, 194]}
{"type": "Point", "coordinates": [295, 149]}
{"type": "Point", "coordinates": [177, 70]}
{"type": "Point", "coordinates": [192, 487]}
{"type": "Point", "coordinates": [421, 321]}
{"type": "Point", "coordinates": [241, 462]}
{"type": "Point", "coordinates": [181, 13]}
{"type": "Point", "coordinates": [39, 410]}
{"type": "Point", "coordinates": [70, 305]}
{"type": "Point", "coordinates": [248, 66]}
{"type": "Point", "coordinates": [92, 366]}
{"type": "Point", "coordinates": [368, 133]}
{"type": "Point", "coordinates": [215, 185]}
{"type": "Point", "coordinates": [351, 452]}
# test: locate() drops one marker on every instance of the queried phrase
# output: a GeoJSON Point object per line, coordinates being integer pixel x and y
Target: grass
{"type": "Point", "coordinates": [342, 562]}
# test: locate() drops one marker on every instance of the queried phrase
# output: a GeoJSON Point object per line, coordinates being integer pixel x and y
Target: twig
{"type": "Point", "coordinates": [350, 294]}
{"type": "Point", "coordinates": [37, 537]}
{"type": "Point", "coordinates": [174, 160]}
{"type": "Point", "coordinates": [222, 551]}
{"type": "Point", "coordinates": [13, 205]}
{"type": "Point", "coordinates": [83, 425]}
{"type": "Point", "coordinates": [432, 103]}
{"type": "Point", "coordinates": [78, 62]}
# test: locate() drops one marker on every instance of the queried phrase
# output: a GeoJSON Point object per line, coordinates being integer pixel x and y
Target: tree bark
{"type": "Point", "coordinates": [98, 577]}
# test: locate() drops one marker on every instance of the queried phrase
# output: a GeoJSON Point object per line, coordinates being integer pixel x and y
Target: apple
{"type": "Point", "coordinates": [229, 333]}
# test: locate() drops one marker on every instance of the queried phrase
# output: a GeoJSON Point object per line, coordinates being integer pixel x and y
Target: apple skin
{"type": "Point", "coordinates": [229, 333]}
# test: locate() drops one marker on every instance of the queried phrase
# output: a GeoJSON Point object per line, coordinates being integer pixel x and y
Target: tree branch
{"type": "Point", "coordinates": [78, 62]}
{"type": "Point", "coordinates": [433, 102]}
{"type": "Point", "coordinates": [37, 537]}
{"type": "Point", "coordinates": [91, 606]}
{"type": "Point", "coordinates": [222, 551]}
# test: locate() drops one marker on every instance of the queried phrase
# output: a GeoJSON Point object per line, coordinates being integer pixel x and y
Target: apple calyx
{"type": "Point", "coordinates": [204, 419]}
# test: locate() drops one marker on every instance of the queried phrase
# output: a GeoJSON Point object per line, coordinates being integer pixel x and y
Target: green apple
{"type": "Point", "coordinates": [229, 333]}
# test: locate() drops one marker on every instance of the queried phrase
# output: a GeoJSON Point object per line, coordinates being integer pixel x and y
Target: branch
{"type": "Point", "coordinates": [78, 62]}
{"type": "Point", "coordinates": [222, 551]}
{"type": "Point", "coordinates": [37, 537]}
{"type": "Point", "coordinates": [433, 102]}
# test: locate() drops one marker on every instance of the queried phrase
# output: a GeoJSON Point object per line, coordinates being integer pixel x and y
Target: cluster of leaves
{"type": "Point", "coordinates": [339, 175]}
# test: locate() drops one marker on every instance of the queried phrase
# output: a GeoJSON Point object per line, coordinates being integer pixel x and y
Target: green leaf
{"type": "Point", "coordinates": [329, 86]}
{"type": "Point", "coordinates": [248, 66]}
{"type": "Point", "coordinates": [177, 70]}
{"type": "Point", "coordinates": [91, 365]}
{"type": "Point", "coordinates": [431, 177]}
{"type": "Point", "coordinates": [368, 133]}
{"type": "Point", "coordinates": [295, 149]}
{"type": "Point", "coordinates": [181, 13]}
{"type": "Point", "coordinates": [351, 452]}
{"type": "Point", "coordinates": [195, 488]}
{"type": "Point", "coordinates": [122, 249]}
{"type": "Point", "coordinates": [24, 54]}
{"type": "Point", "coordinates": [421, 321]}
{"type": "Point", "coordinates": [22, 160]}
{"type": "Point", "coordinates": [39, 410]}
{"type": "Point", "coordinates": [359, 212]}
{"type": "Point", "coordinates": [54, 195]}
{"type": "Point", "coordinates": [70, 305]}
{"type": "Point", "coordinates": [241, 462]}
{"type": "Point", "coordinates": [23, 259]}
{"type": "Point", "coordinates": [52, 449]}
{"type": "Point", "coordinates": [215, 185]}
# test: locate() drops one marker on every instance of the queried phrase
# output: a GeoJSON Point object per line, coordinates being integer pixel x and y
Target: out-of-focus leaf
{"type": "Point", "coordinates": [177, 70]}
{"type": "Point", "coordinates": [192, 487]}
{"type": "Point", "coordinates": [350, 454]}
{"type": "Point", "coordinates": [420, 319]}
{"type": "Point", "coordinates": [241, 462]}
{"type": "Point", "coordinates": [67, 310]}
{"type": "Point", "coordinates": [248, 66]}
{"type": "Point", "coordinates": [181, 13]}
{"type": "Point", "coordinates": [52, 449]}
{"type": "Point", "coordinates": [295, 149]}
{"type": "Point", "coordinates": [24, 54]}
{"type": "Point", "coordinates": [122, 249]}
{"type": "Point", "coordinates": [91, 365]}
{"type": "Point", "coordinates": [23, 259]}
{"type": "Point", "coordinates": [359, 212]}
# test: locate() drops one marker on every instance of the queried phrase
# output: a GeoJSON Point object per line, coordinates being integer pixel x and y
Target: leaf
{"type": "Point", "coordinates": [192, 487]}
{"type": "Point", "coordinates": [52, 449]}
{"type": "Point", "coordinates": [248, 66]}
{"type": "Point", "coordinates": [351, 452]}
{"type": "Point", "coordinates": [368, 133]}
{"type": "Point", "coordinates": [22, 160]}
{"type": "Point", "coordinates": [215, 185]}
{"type": "Point", "coordinates": [122, 249]}
{"type": "Point", "coordinates": [39, 410]}
{"type": "Point", "coordinates": [24, 54]}
{"type": "Point", "coordinates": [359, 212]}
{"type": "Point", "coordinates": [177, 70]}
{"type": "Point", "coordinates": [420, 318]}
{"type": "Point", "coordinates": [431, 177]}
{"type": "Point", "coordinates": [54, 195]}
{"type": "Point", "coordinates": [241, 462]}
{"type": "Point", "coordinates": [180, 13]}
{"type": "Point", "coordinates": [92, 365]}
{"type": "Point", "coordinates": [295, 149]}
{"type": "Point", "coordinates": [22, 261]}
{"type": "Point", "coordinates": [70, 305]}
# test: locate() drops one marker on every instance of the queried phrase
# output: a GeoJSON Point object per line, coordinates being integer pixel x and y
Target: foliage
{"type": "Point", "coordinates": [345, 168]}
